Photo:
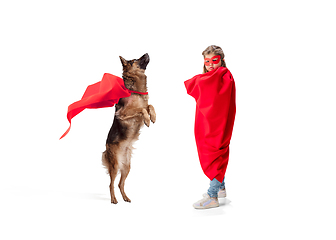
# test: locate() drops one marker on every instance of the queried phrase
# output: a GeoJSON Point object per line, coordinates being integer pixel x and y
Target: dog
{"type": "Point", "coordinates": [131, 114]}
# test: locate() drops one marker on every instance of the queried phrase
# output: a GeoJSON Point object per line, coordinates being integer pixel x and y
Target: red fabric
{"type": "Point", "coordinates": [102, 94]}
{"type": "Point", "coordinates": [215, 96]}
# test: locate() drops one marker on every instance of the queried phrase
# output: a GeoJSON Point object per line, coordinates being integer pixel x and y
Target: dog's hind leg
{"type": "Point", "coordinates": [121, 185]}
{"type": "Point", "coordinates": [124, 170]}
{"type": "Point", "coordinates": [111, 164]}
{"type": "Point", "coordinates": [124, 173]}
{"type": "Point", "coordinates": [113, 173]}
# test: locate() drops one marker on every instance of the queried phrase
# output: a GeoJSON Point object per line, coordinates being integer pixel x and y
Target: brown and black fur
{"type": "Point", "coordinates": [130, 115]}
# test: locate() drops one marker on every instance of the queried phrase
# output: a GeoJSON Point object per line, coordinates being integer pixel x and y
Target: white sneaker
{"type": "Point", "coordinates": [221, 193]}
{"type": "Point", "coordinates": [206, 203]}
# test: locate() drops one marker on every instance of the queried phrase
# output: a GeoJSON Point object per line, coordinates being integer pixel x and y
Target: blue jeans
{"type": "Point", "coordinates": [215, 185]}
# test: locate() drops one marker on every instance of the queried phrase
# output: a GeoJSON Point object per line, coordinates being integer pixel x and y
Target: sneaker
{"type": "Point", "coordinates": [221, 193]}
{"type": "Point", "coordinates": [206, 203]}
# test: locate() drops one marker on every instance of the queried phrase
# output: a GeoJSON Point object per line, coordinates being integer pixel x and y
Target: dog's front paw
{"type": "Point", "coordinates": [153, 117]}
{"type": "Point", "coordinates": [146, 117]}
{"type": "Point", "coordinates": [147, 121]}
{"type": "Point", "coordinates": [152, 113]}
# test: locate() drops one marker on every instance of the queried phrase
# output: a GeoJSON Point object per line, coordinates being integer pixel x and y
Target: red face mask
{"type": "Point", "coordinates": [214, 60]}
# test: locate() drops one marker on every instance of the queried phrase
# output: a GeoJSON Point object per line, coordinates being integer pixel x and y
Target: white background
{"type": "Point", "coordinates": [281, 175]}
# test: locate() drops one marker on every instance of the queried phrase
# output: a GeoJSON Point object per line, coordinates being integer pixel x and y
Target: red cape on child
{"type": "Point", "coordinates": [215, 96]}
{"type": "Point", "coordinates": [102, 94]}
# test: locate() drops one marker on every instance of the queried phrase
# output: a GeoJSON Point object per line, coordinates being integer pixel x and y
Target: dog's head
{"type": "Point", "coordinates": [134, 73]}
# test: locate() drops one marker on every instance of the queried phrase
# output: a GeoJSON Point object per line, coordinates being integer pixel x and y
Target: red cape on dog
{"type": "Point", "coordinates": [215, 96]}
{"type": "Point", "coordinates": [105, 93]}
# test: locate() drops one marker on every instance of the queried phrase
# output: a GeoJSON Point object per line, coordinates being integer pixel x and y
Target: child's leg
{"type": "Point", "coordinates": [222, 186]}
{"type": "Point", "coordinates": [214, 188]}
{"type": "Point", "coordinates": [222, 190]}
{"type": "Point", "coordinates": [210, 199]}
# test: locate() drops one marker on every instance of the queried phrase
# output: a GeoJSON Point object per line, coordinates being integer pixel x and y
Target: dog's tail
{"type": "Point", "coordinates": [105, 161]}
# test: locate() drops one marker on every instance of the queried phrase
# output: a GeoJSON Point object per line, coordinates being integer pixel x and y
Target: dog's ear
{"type": "Point", "coordinates": [123, 61]}
{"type": "Point", "coordinates": [143, 61]}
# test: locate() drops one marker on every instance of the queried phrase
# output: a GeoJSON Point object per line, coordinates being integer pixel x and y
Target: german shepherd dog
{"type": "Point", "coordinates": [131, 114]}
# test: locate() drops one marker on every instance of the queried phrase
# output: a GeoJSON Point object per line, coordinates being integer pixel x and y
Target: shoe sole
{"type": "Point", "coordinates": [201, 207]}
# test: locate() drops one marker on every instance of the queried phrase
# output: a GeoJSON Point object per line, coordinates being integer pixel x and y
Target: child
{"type": "Point", "coordinates": [215, 95]}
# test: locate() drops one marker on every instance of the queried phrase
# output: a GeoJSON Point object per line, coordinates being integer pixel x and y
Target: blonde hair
{"type": "Point", "coordinates": [213, 49]}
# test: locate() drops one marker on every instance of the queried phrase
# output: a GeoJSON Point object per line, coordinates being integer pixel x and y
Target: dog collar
{"type": "Point", "coordinates": [142, 93]}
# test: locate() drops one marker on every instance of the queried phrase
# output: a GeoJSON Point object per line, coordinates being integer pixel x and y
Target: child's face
{"type": "Point", "coordinates": [211, 62]}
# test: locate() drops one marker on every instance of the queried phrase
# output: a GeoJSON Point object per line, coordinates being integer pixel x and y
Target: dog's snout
{"type": "Point", "coordinates": [145, 57]}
